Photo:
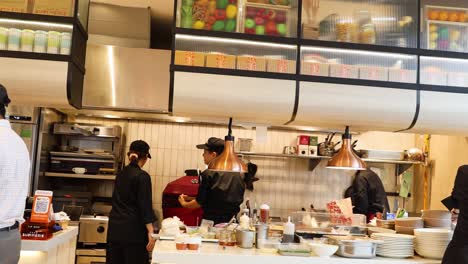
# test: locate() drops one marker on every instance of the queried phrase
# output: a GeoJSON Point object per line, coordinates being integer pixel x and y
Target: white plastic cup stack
{"type": "Point", "coordinates": [14, 36]}
{"type": "Point", "coordinates": [3, 38]}
{"type": "Point", "coordinates": [53, 42]}
{"type": "Point", "coordinates": [65, 43]}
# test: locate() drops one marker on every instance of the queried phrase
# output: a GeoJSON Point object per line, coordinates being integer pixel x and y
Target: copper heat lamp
{"type": "Point", "coordinates": [228, 160]}
{"type": "Point", "coordinates": [346, 159]}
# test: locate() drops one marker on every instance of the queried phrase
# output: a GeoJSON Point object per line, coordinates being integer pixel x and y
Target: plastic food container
{"type": "Point", "coordinates": [181, 242]}
{"type": "Point", "coordinates": [297, 250]}
{"type": "Point", "coordinates": [193, 243]}
{"type": "Point", "coordinates": [268, 245]}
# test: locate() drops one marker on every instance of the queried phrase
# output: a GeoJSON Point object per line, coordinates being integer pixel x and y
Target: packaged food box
{"type": "Point", "coordinates": [315, 68]}
{"type": "Point", "coordinates": [219, 15]}
{"type": "Point", "coordinates": [373, 73]}
{"type": "Point", "coordinates": [17, 6]}
{"type": "Point", "coordinates": [457, 79]}
{"type": "Point", "coordinates": [251, 63]}
{"type": "Point", "coordinates": [281, 66]}
{"type": "Point", "coordinates": [402, 75]}
{"type": "Point", "coordinates": [221, 61]}
{"type": "Point", "coordinates": [344, 71]}
{"type": "Point", "coordinates": [189, 58]}
{"type": "Point", "coordinates": [271, 21]}
{"type": "Point", "coordinates": [434, 77]}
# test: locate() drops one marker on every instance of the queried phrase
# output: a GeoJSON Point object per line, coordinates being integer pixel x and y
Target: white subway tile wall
{"type": "Point", "coordinates": [285, 184]}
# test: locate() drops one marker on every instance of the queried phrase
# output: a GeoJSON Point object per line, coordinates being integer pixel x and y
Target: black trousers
{"type": "Point", "coordinates": [125, 253]}
{"type": "Point", "coordinates": [456, 253]}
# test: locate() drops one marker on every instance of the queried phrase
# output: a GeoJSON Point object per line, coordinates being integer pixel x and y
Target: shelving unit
{"type": "Point", "coordinates": [448, 23]}
{"type": "Point", "coordinates": [80, 176]}
{"type": "Point", "coordinates": [403, 165]}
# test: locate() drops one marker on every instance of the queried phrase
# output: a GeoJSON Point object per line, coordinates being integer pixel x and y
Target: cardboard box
{"type": "Point", "coordinates": [18, 6]}
{"type": "Point", "coordinates": [54, 7]}
{"type": "Point", "coordinates": [344, 71]}
{"type": "Point", "coordinates": [401, 75]}
{"type": "Point", "coordinates": [221, 61]}
{"type": "Point", "coordinates": [433, 78]}
{"type": "Point", "coordinates": [189, 58]}
{"type": "Point", "coordinates": [458, 79]}
{"type": "Point", "coordinates": [315, 68]}
{"type": "Point", "coordinates": [251, 63]}
{"type": "Point", "coordinates": [281, 66]}
{"type": "Point", "coordinates": [373, 73]}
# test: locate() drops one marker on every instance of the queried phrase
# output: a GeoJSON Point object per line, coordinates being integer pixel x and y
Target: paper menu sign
{"type": "Point", "coordinates": [341, 211]}
{"type": "Point", "coordinates": [18, 6]}
{"type": "Point", "coordinates": [41, 207]}
{"type": "Point", "coordinates": [54, 7]}
{"type": "Point", "coordinates": [406, 182]}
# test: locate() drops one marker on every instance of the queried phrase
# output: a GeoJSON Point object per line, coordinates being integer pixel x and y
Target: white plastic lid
{"type": "Point", "coordinates": [265, 207]}
{"type": "Point", "coordinates": [289, 227]}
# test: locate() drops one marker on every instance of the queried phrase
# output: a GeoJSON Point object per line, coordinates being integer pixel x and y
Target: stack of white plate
{"type": "Point", "coordinates": [432, 242]}
{"type": "Point", "coordinates": [395, 245]}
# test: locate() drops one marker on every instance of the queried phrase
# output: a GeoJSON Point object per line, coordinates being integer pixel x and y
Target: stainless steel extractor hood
{"type": "Point", "coordinates": [126, 79]}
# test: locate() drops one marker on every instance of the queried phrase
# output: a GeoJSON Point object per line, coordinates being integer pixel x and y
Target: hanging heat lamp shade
{"type": "Point", "coordinates": [228, 160]}
{"type": "Point", "coordinates": [346, 159]}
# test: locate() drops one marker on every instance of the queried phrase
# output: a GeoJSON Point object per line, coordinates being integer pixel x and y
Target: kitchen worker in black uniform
{"type": "Point", "coordinates": [368, 194]}
{"type": "Point", "coordinates": [131, 219]}
{"type": "Point", "coordinates": [457, 250]}
{"type": "Point", "coordinates": [220, 197]}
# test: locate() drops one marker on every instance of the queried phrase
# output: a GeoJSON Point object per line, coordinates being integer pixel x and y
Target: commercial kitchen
{"type": "Point", "coordinates": [307, 94]}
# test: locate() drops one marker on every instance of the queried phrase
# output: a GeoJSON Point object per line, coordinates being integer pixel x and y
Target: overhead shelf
{"type": "Point", "coordinates": [80, 176]}
{"type": "Point", "coordinates": [236, 36]}
{"type": "Point", "coordinates": [448, 23]}
{"type": "Point", "coordinates": [37, 17]}
{"type": "Point", "coordinates": [34, 55]}
{"type": "Point", "coordinates": [233, 72]}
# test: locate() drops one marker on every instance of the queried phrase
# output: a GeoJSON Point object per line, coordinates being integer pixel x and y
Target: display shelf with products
{"type": "Point", "coordinates": [358, 64]}
{"type": "Point", "coordinates": [246, 55]}
{"type": "Point", "coordinates": [259, 17]}
{"type": "Point", "coordinates": [386, 23]}
{"type": "Point", "coordinates": [445, 28]}
{"type": "Point", "coordinates": [444, 72]}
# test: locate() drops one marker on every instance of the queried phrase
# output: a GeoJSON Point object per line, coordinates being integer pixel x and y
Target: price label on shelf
{"type": "Point", "coordinates": [54, 7]}
{"type": "Point", "coordinates": [18, 6]}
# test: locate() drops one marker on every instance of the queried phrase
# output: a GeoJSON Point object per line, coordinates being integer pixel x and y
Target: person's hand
{"type": "Point", "coordinates": [455, 212]}
{"type": "Point", "coordinates": [182, 200]}
{"type": "Point", "coordinates": [151, 243]}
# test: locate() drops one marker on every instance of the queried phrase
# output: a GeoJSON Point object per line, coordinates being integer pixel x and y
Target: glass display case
{"type": "Point", "coordinates": [445, 28]}
{"type": "Point", "coordinates": [259, 17]}
{"type": "Point", "coordinates": [444, 71]}
{"type": "Point", "coordinates": [358, 64]}
{"type": "Point", "coordinates": [234, 54]}
{"type": "Point", "coordinates": [380, 22]}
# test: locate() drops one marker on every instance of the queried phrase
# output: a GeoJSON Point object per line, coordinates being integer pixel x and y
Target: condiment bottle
{"type": "Point", "coordinates": [244, 221]}
{"type": "Point", "coordinates": [288, 233]}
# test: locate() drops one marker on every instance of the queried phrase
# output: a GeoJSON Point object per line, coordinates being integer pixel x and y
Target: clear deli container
{"type": "Point", "coordinates": [293, 249]}
{"type": "Point", "coordinates": [355, 248]}
{"type": "Point", "coordinates": [268, 246]}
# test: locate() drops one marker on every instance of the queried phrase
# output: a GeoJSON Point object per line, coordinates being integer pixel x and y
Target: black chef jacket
{"type": "Point", "coordinates": [368, 193]}
{"type": "Point", "coordinates": [457, 251]}
{"type": "Point", "coordinates": [131, 206]}
{"type": "Point", "coordinates": [220, 195]}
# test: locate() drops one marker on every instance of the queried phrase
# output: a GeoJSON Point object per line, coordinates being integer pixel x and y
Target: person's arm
{"type": "Point", "coordinates": [145, 206]}
{"type": "Point", "coordinates": [188, 202]}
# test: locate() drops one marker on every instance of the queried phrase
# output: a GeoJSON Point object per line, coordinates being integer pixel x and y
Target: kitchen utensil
{"type": "Point", "coordinates": [331, 138]}
{"type": "Point", "coordinates": [245, 238]}
{"type": "Point", "coordinates": [356, 248]}
{"type": "Point", "coordinates": [261, 232]}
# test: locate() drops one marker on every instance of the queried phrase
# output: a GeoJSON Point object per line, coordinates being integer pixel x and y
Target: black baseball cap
{"type": "Point", "coordinates": [213, 144]}
{"type": "Point", "coordinates": [140, 146]}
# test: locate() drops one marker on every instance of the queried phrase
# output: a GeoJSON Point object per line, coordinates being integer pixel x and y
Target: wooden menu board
{"type": "Point", "coordinates": [19, 6]}
{"type": "Point", "coordinates": [54, 7]}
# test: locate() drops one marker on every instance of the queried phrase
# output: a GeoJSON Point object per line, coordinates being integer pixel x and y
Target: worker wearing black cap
{"type": "Point", "coordinates": [219, 197]}
{"type": "Point", "coordinates": [131, 220]}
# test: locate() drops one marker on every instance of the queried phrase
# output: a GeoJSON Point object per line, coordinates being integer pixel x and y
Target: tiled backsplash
{"type": "Point", "coordinates": [286, 184]}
